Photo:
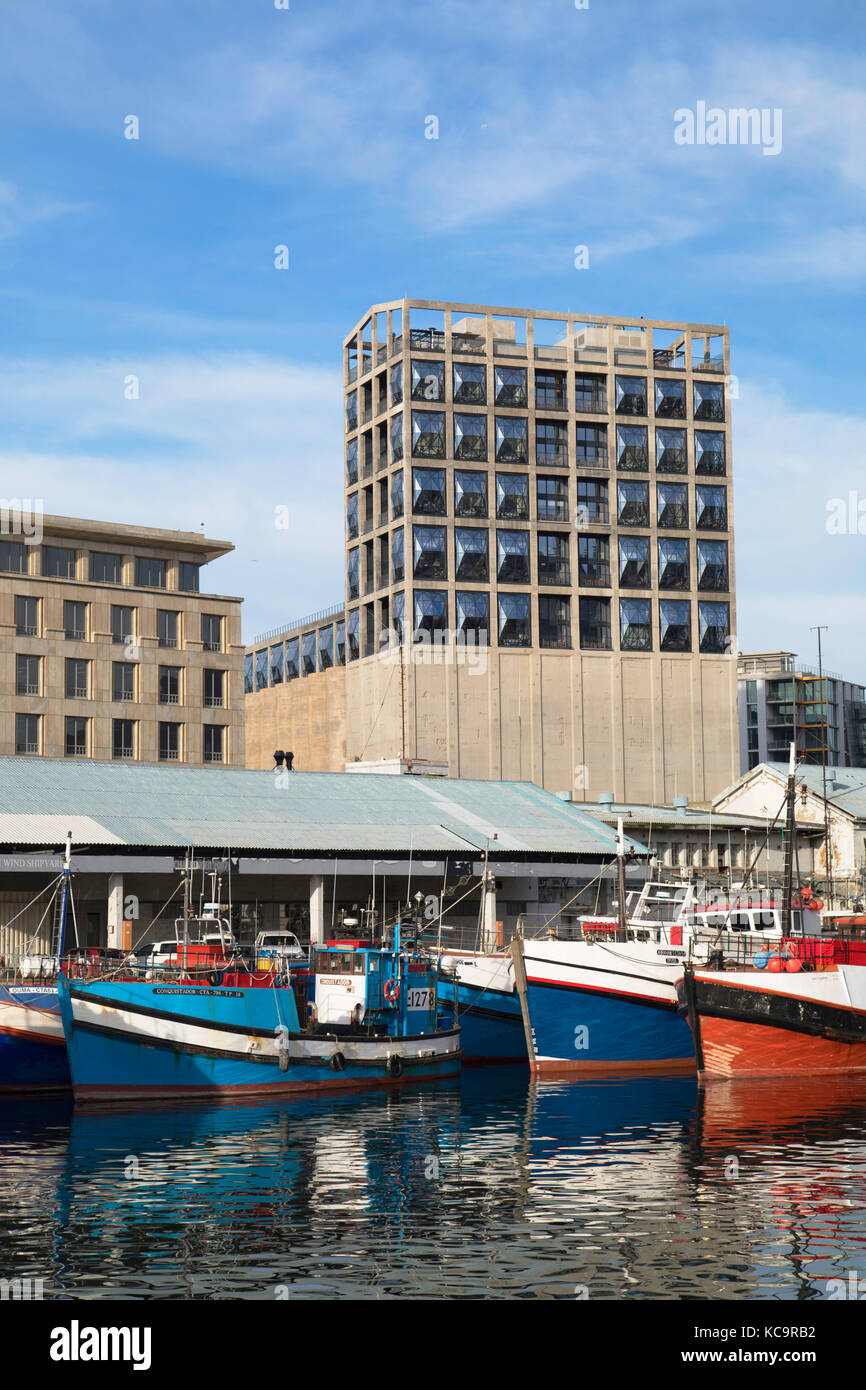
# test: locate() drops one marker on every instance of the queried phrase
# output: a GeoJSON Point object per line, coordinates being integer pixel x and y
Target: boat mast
{"type": "Point", "coordinates": [64, 899]}
{"type": "Point", "coordinates": [828, 853]}
{"type": "Point", "coordinates": [622, 932]}
{"type": "Point", "coordinates": [187, 891]}
{"type": "Point", "coordinates": [790, 840]}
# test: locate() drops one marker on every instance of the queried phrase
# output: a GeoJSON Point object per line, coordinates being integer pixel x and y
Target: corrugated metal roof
{"type": "Point", "coordinates": [159, 806]}
{"type": "Point", "coordinates": [697, 818]}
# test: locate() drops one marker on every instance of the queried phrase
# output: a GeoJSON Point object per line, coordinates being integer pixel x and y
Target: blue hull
{"type": "Point", "coordinates": [27, 1061]}
{"type": "Point", "coordinates": [491, 1024]}
{"type": "Point", "coordinates": [108, 1064]}
{"type": "Point", "coordinates": [575, 1029]}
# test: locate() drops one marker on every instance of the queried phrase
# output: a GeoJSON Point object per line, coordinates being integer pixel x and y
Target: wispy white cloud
{"type": "Point", "coordinates": [20, 209]}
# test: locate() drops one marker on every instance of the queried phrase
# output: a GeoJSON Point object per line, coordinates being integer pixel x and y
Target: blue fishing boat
{"type": "Point", "coordinates": [359, 1015]}
{"type": "Point", "coordinates": [488, 1009]}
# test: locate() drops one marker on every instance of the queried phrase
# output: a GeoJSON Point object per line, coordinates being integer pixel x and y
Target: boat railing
{"type": "Point", "coordinates": [28, 966]}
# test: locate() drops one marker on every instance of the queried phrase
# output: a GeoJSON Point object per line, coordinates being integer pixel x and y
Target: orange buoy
{"type": "Point", "coordinates": [818, 905]}
{"type": "Point", "coordinates": [793, 965]}
{"type": "Point", "coordinates": [774, 964]}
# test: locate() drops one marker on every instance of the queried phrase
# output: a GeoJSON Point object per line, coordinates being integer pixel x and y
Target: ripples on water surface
{"type": "Point", "coordinates": [488, 1187]}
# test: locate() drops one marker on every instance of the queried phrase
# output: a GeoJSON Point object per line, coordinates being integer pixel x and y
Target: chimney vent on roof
{"type": "Point", "coordinates": [605, 798]}
{"type": "Point", "coordinates": [680, 803]}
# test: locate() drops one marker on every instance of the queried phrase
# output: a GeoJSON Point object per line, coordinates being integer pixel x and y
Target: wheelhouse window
{"type": "Point", "coordinates": [714, 626]}
{"type": "Point", "coordinates": [709, 400]}
{"type": "Point", "coordinates": [105, 568]}
{"type": "Point", "coordinates": [511, 439]}
{"type": "Point", "coordinates": [713, 565]}
{"type": "Point", "coordinates": [149, 573]}
{"type": "Point", "coordinates": [550, 390]}
{"type": "Point", "coordinates": [428, 434]}
{"type": "Point", "coordinates": [27, 731]}
{"type": "Point", "coordinates": [428, 491]}
{"type": "Point", "coordinates": [473, 616]}
{"type": "Point", "coordinates": [593, 560]}
{"type": "Point", "coordinates": [710, 452]}
{"type": "Point", "coordinates": [167, 628]}
{"type": "Point", "coordinates": [74, 620]}
{"type": "Point", "coordinates": [429, 558]}
{"type": "Point", "coordinates": [214, 741]}
{"type": "Point", "coordinates": [675, 625]}
{"type": "Point", "coordinates": [670, 399]}
{"type": "Point", "coordinates": [711, 508]}
{"type": "Point", "coordinates": [76, 736]}
{"type": "Point", "coordinates": [431, 612]}
{"type": "Point", "coordinates": [512, 557]}
{"type": "Point", "coordinates": [553, 558]}
{"type": "Point", "coordinates": [673, 505]}
{"type": "Point", "coordinates": [509, 386]}
{"type": "Point", "coordinates": [635, 627]}
{"type": "Point", "coordinates": [169, 743]}
{"type": "Point", "coordinates": [632, 504]}
{"type": "Point", "coordinates": [594, 617]}
{"type": "Point", "coordinates": [551, 499]}
{"type": "Point", "coordinates": [471, 554]}
{"type": "Point", "coordinates": [512, 496]}
{"type": "Point", "coordinates": [470, 437]}
{"type": "Point", "coordinates": [470, 493]}
{"type": "Point", "coordinates": [470, 383]}
{"type": "Point", "coordinates": [634, 562]}
{"type": "Point", "coordinates": [123, 738]}
{"type": "Point", "coordinates": [428, 380]}
{"type": "Point", "coordinates": [551, 443]}
{"type": "Point", "coordinates": [631, 395]}
{"type": "Point", "coordinates": [631, 448]}
{"type": "Point", "coordinates": [58, 562]}
{"type": "Point", "coordinates": [673, 557]}
{"type": "Point", "coordinates": [671, 454]}
{"type": "Point", "coordinates": [515, 623]}
{"type": "Point", "coordinates": [554, 621]}
{"type": "Point", "coordinates": [590, 394]}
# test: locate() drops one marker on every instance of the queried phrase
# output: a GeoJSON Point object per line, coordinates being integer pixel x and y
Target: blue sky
{"type": "Point", "coordinates": [305, 127]}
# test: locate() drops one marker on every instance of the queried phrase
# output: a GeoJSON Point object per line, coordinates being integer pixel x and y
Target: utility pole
{"type": "Point", "coordinates": [828, 848]}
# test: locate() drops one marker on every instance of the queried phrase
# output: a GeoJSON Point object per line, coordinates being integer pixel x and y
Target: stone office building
{"type": "Point", "coordinates": [111, 651]}
{"type": "Point", "coordinates": [539, 558]}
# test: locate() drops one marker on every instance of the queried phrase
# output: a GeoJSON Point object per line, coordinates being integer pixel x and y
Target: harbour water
{"type": "Point", "coordinates": [493, 1186]}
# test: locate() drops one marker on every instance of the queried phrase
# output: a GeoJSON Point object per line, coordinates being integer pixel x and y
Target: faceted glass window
{"type": "Point", "coordinates": [352, 461]}
{"type": "Point", "coordinates": [592, 503]}
{"type": "Point", "coordinates": [470, 383]}
{"type": "Point", "coordinates": [326, 648]}
{"type": "Point", "coordinates": [340, 643]}
{"type": "Point", "coordinates": [512, 557]}
{"type": "Point", "coordinates": [293, 658]}
{"type": "Point", "coordinates": [591, 445]}
{"type": "Point", "coordinates": [673, 504]}
{"type": "Point", "coordinates": [675, 625]}
{"type": "Point", "coordinates": [352, 517]}
{"type": "Point", "coordinates": [709, 400]}
{"type": "Point", "coordinates": [551, 443]}
{"type": "Point", "coordinates": [635, 627]}
{"type": "Point", "coordinates": [713, 565]}
{"type": "Point", "coordinates": [552, 499]}
{"type": "Point", "coordinates": [710, 452]}
{"type": "Point", "coordinates": [428, 491]}
{"type": "Point", "coordinates": [632, 504]}
{"type": "Point", "coordinates": [470, 437]}
{"type": "Point", "coordinates": [714, 626]}
{"type": "Point", "coordinates": [396, 435]}
{"type": "Point", "coordinates": [429, 552]}
{"type": "Point", "coordinates": [554, 621]}
{"type": "Point", "coordinates": [512, 496]}
{"type": "Point", "coordinates": [634, 562]}
{"type": "Point", "coordinates": [431, 611]}
{"type": "Point", "coordinates": [397, 495]}
{"type": "Point", "coordinates": [671, 399]}
{"type": "Point", "coordinates": [631, 395]}
{"type": "Point", "coordinates": [428, 434]}
{"type": "Point", "coordinates": [509, 386]}
{"type": "Point", "coordinates": [593, 560]}
{"type": "Point", "coordinates": [395, 383]}
{"type": "Point", "coordinates": [428, 381]}
{"type": "Point", "coordinates": [470, 551]}
{"type": "Point", "coordinates": [470, 493]}
{"type": "Point", "coordinates": [595, 623]}
{"type": "Point", "coordinates": [515, 624]}
{"type": "Point", "coordinates": [671, 455]}
{"type": "Point", "coordinates": [352, 410]}
{"type": "Point", "coordinates": [553, 558]}
{"type": "Point", "coordinates": [398, 614]}
{"type": "Point", "coordinates": [711, 508]}
{"type": "Point", "coordinates": [262, 669]}
{"type": "Point", "coordinates": [277, 666]}
{"type": "Point", "coordinates": [631, 448]}
{"type": "Point", "coordinates": [248, 673]}
{"type": "Point", "coordinates": [673, 564]}
{"type": "Point", "coordinates": [550, 390]}
{"type": "Point", "coordinates": [590, 394]}
{"type": "Point", "coordinates": [353, 568]}
{"type": "Point", "coordinates": [308, 653]}
{"type": "Point", "coordinates": [473, 616]}
{"type": "Point", "coordinates": [511, 440]}
{"type": "Point", "coordinates": [398, 556]}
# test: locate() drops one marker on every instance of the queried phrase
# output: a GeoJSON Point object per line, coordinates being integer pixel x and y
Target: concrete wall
{"type": "Point", "coordinates": [306, 716]}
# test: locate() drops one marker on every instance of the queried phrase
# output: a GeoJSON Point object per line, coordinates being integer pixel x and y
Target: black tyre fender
{"type": "Point", "coordinates": [395, 1065]}
{"type": "Point", "coordinates": [338, 1062]}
